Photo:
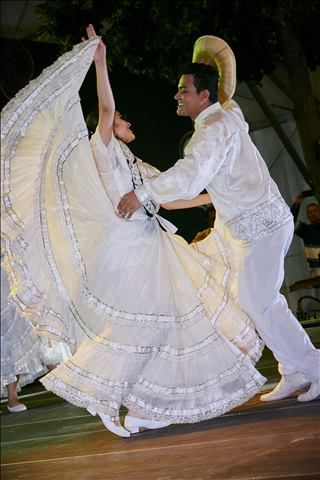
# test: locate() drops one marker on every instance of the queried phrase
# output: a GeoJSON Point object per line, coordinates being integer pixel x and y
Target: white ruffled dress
{"type": "Point", "coordinates": [24, 355]}
{"type": "Point", "coordinates": [21, 353]}
{"type": "Point", "coordinates": [150, 319]}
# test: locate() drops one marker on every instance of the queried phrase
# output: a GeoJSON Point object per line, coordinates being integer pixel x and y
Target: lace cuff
{"type": "Point", "coordinates": [145, 199]}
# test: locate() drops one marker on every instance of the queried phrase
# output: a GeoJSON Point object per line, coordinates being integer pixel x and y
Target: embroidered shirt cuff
{"type": "Point", "coordinates": [145, 199]}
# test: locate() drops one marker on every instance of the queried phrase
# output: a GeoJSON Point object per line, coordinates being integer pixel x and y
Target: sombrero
{"type": "Point", "coordinates": [216, 52]}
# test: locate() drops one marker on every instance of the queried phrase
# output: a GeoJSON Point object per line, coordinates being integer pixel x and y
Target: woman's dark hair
{"type": "Point", "coordinates": [92, 121]}
{"type": "Point", "coordinates": [205, 77]}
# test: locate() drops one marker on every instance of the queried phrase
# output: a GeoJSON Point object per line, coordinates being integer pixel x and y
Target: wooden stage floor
{"type": "Point", "coordinates": [54, 440]}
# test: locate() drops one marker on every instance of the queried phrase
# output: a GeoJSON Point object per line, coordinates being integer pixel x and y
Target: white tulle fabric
{"type": "Point", "coordinates": [150, 319]}
{"type": "Point", "coordinates": [24, 356]}
{"type": "Point", "coordinates": [20, 347]}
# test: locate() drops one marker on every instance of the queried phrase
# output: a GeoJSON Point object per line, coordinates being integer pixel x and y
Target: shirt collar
{"type": "Point", "coordinates": [207, 111]}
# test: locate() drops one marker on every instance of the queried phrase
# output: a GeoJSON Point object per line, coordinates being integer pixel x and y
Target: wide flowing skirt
{"type": "Point", "coordinates": [150, 319]}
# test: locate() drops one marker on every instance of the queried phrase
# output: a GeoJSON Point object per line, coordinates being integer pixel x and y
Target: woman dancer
{"type": "Point", "coordinates": [21, 354]}
{"type": "Point", "coordinates": [149, 317]}
{"type": "Point", "coordinates": [24, 356]}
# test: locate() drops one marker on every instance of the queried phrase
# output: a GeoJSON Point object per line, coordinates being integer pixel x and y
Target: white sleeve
{"type": "Point", "coordinates": [104, 155]}
{"type": "Point", "coordinates": [148, 172]}
{"type": "Point", "coordinates": [205, 154]}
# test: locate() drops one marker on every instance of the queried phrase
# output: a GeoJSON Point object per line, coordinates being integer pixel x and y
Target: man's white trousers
{"type": "Point", "coordinates": [260, 274]}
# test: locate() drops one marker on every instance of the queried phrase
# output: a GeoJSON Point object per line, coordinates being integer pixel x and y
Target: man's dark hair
{"type": "Point", "coordinates": [205, 77]}
{"type": "Point", "coordinates": [312, 205]}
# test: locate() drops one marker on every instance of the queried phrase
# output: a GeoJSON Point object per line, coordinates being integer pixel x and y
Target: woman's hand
{"type": "Point", "coordinates": [129, 203]}
{"type": "Point", "coordinates": [100, 53]}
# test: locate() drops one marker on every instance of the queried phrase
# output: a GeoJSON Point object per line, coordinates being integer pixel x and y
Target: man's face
{"type": "Point", "coordinates": [190, 103]}
{"type": "Point", "coordinates": [313, 214]}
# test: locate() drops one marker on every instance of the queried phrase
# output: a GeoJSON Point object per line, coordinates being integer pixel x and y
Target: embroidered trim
{"type": "Point", "coordinates": [261, 221]}
{"type": "Point", "coordinates": [147, 397]}
{"type": "Point", "coordinates": [31, 96]}
{"type": "Point", "coordinates": [25, 97]}
{"type": "Point", "coordinates": [30, 301]}
{"type": "Point", "coordinates": [149, 319]}
{"type": "Point", "coordinates": [137, 181]}
{"type": "Point", "coordinates": [163, 351]}
{"type": "Point", "coordinates": [144, 198]}
{"type": "Point", "coordinates": [18, 114]}
{"type": "Point", "coordinates": [205, 412]}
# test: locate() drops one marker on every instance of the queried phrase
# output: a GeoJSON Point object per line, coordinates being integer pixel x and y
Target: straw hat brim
{"type": "Point", "coordinates": [216, 52]}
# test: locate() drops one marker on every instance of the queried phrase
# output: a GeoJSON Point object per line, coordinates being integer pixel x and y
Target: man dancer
{"type": "Point", "coordinates": [252, 217]}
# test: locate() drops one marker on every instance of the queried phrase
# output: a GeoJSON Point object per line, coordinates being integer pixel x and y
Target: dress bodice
{"type": "Point", "coordinates": [112, 167]}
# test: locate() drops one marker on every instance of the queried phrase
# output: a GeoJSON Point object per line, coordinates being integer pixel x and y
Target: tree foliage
{"type": "Point", "coordinates": [156, 36]}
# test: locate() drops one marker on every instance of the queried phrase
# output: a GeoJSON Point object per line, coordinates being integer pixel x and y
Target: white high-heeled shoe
{"type": "Point", "coordinates": [109, 424]}
{"type": "Point", "coordinates": [133, 424]}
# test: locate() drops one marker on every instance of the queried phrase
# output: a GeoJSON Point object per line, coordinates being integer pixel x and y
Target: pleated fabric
{"type": "Point", "coordinates": [24, 355]}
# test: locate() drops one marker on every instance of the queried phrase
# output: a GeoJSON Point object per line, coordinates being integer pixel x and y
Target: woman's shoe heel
{"type": "Point", "coordinates": [109, 424]}
{"type": "Point", "coordinates": [113, 427]}
{"type": "Point", "coordinates": [132, 429]}
{"type": "Point", "coordinates": [133, 424]}
{"type": "Point", "coordinates": [93, 412]}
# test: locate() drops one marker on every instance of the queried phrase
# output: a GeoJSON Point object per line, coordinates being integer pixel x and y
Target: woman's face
{"type": "Point", "coordinates": [122, 129]}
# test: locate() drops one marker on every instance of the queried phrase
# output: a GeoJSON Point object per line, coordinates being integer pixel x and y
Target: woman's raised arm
{"type": "Point", "coordinates": [105, 96]}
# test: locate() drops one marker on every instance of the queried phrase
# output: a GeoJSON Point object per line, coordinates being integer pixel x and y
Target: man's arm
{"type": "Point", "coordinates": [130, 203]}
{"type": "Point", "coordinates": [206, 153]}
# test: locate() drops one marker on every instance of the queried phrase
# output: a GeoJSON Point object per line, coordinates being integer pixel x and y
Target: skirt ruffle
{"type": "Point", "coordinates": [24, 356]}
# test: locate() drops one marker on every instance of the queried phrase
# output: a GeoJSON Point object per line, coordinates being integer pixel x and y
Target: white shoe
{"type": "Point", "coordinates": [17, 408]}
{"type": "Point", "coordinates": [311, 394]}
{"type": "Point", "coordinates": [287, 385]}
{"type": "Point", "coordinates": [109, 424]}
{"type": "Point", "coordinates": [133, 424]}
